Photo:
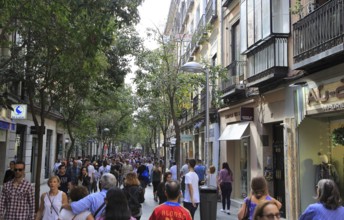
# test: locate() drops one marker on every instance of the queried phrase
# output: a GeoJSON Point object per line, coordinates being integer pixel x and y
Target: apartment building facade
{"type": "Point", "coordinates": [282, 97]}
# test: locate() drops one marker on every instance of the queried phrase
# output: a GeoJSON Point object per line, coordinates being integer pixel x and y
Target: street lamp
{"type": "Point", "coordinates": [195, 67]}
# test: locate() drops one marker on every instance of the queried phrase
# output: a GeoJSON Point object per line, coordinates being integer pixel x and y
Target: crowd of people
{"type": "Point", "coordinates": [114, 189]}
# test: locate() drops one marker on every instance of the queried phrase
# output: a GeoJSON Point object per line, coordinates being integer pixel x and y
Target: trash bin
{"type": "Point", "coordinates": [208, 202]}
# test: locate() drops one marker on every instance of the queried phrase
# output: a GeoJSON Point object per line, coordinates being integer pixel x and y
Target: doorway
{"type": "Point", "coordinates": [278, 166]}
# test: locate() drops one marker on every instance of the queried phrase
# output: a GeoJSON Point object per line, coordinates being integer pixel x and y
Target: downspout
{"type": "Point", "coordinates": [222, 62]}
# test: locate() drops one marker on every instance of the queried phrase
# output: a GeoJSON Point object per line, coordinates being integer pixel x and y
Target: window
{"type": "Point", "coordinates": [261, 18]}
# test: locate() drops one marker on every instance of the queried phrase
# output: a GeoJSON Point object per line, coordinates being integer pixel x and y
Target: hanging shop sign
{"type": "Point", "coordinates": [326, 98]}
{"type": "Point", "coordinates": [246, 114]}
{"type": "Point", "coordinates": [19, 111]}
{"type": "Point", "coordinates": [186, 137]}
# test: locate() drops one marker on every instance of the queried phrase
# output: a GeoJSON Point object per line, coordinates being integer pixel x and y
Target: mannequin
{"type": "Point", "coordinates": [325, 170]}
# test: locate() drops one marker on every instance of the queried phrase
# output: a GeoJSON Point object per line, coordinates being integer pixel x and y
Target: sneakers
{"type": "Point", "coordinates": [228, 212]}
{"type": "Point", "coordinates": [222, 210]}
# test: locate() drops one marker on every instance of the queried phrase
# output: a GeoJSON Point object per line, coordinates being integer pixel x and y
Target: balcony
{"type": "Point", "coordinates": [319, 37]}
{"type": "Point", "coordinates": [268, 63]}
{"type": "Point", "coordinates": [198, 35]}
{"type": "Point", "coordinates": [236, 74]}
{"type": "Point", "coordinates": [211, 12]}
{"type": "Point", "coordinates": [226, 3]}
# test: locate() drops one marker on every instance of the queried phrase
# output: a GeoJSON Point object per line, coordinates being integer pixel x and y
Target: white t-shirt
{"type": "Point", "coordinates": [173, 170]}
{"type": "Point", "coordinates": [90, 170]}
{"type": "Point", "coordinates": [211, 180]}
{"type": "Point", "coordinates": [150, 167]}
{"type": "Point", "coordinates": [103, 169]}
{"type": "Point", "coordinates": [68, 215]}
{"type": "Point", "coordinates": [191, 178]}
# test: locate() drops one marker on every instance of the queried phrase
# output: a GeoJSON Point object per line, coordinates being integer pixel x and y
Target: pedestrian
{"type": "Point", "coordinates": [211, 177]}
{"type": "Point", "coordinates": [173, 170]}
{"type": "Point", "coordinates": [17, 200]}
{"type": "Point", "coordinates": [126, 168]}
{"type": "Point", "coordinates": [150, 169]}
{"type": "Point", "coordinates": [135, 194]}
{"type": "Point", "coordinates": [9, 174]}
{"type": "Point", "coordinates": [90, 172]}
{"type": "Point", "coordinates": [51, 202]}
{"type": "Point", "coordinates": [171, 209]}
{"type": "Point", "coordinates": [95, 201]}
{"type": "Point", "coordinates": [64, 178]}
{"type": "Point", "coordinates": [85, 179]}
{"type": "Point", "coordinates": [183, 171]}
{"type": "Point", "coordinates": [116, 169]}
{"type": "Point", "coordinates": [77, 193]}
{"type": "Point", "coordinates": [161, 188]}
{"type": "Point", "coordinates": [328, 206]}
{"type": "Point", "coordinates": [96, 177]}
{"type": "Point", "coordinates": [75, 172]}
{"type": "Point", "coordinates": [143, 175]}
{"type": "Point", "coordinates": [259, 194]}
{"type": "Point", "coordinates": [116, 206]}
{"type": "Point", "coordinates": [266, 210]}
{"type": "Point", "coordinates": [201, 170]}
{"type": "Point", "coordinates": [191, 197]}
{"type": "Point", "coordinates": [225, 180]}
{"type": "Point", "coordinates": [156, 179]}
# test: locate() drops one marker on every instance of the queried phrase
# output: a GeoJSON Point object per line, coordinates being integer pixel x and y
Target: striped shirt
{"type": "Point", "coordinates": [17, 203]}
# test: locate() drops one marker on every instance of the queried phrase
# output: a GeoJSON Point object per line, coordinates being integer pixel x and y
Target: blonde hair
{"type": "Point", "coordinates": [212, 169]}
{"type": "Point", "coordinates": [53, 177]}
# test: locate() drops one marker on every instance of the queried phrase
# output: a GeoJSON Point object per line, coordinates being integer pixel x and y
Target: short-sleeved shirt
{"type": "Point", "coordinates": [170, 210]}
{"type": "Point", "coordinates": [191, 178]}
{"type": "Point", "coordinates": [173, 170]}
{"type": "Point", "coordinates": [200, 170]}
{"type": "Point", "coordinates": [317, 211]}
{"type": "Point", "coordinates": [64, 180]}
{"type": "Point", "coordinates": [91, 202]}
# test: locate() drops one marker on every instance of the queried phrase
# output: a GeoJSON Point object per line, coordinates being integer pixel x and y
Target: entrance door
{"type": "Point", "coordinates": [278, 155]}
{"type": "Point", "coordinates": [244, 166]}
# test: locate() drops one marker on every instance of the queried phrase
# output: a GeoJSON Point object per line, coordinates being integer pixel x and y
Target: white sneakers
{"type": "Point", "coordinates": [225, 211]}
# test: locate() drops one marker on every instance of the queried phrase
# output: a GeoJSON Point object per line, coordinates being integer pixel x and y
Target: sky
{"type": "Point", "coordinates": [153, 13]}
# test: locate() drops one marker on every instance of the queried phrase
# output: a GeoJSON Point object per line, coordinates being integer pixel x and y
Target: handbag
{"type": "Point", "coordinates": [247, 209]}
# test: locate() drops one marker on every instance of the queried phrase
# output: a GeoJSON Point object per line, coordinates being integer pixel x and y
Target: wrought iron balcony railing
{"type": "Point", "coordinates": [236, 73]}
{"type": "Point", "coordinates": [319, 31]}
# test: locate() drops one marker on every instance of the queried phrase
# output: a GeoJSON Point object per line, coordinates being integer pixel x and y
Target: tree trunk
{"type": "Point", "coordinates": [177, 130]}
{"type": "Point", "coordinates": [38, 170]}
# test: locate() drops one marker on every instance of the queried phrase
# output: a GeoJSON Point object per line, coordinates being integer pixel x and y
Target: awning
{"type": "Point", "coordinates": [234, 131]}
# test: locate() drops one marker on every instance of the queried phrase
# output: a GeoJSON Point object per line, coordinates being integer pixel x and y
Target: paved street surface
{"type": "Point", "coordinates": [150, 204]}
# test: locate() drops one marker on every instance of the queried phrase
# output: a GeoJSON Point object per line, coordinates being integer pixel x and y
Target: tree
{"type": "Point", "coordinates": [49, 34]}
{"type": "Point", "coordinates": [160, 76]}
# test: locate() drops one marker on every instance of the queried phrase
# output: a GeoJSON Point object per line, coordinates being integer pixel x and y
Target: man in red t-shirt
{"type": "Point", "coordinates": [171, 210]}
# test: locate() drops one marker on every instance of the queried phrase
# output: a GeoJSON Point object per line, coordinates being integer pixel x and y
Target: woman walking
{"type": "Point", "coordinates": [156, 179]}
{"type": "Point", "coordinates": [51, 202]}
{"type": "Point", "coordinates": [85, 179]}
{"type": "Point", "coordinates": [225, 180]}
{"type": "Point", "coordinates": [259, 194]}
{"type": "Point", "coordinates": [161, 188]}
{"type": "Point", "coordinates": [328, 206]}
{"type": "Point", "coordinates": [134, 193]}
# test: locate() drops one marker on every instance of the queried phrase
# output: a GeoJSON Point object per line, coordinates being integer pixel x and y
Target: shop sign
{"type": "Point", "coordinates": [33, 129]}
{"type": "Point", "coordinates": [326, 98]}
{"type": "Point", "coordinates": [19, 111]}
{"type": "Point", "coordinates": [186, 137]}
{"type": "Point", "coordinates": [246, 114]}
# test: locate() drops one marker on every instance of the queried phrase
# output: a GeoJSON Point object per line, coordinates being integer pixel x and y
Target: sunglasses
{"type": "Point", "coordinates": [20, 170]}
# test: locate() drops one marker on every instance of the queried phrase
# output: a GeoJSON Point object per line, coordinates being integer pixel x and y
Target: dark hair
{"type": "Point", "coordinates": [12, 162]}
{"type": "Point", "coordinates": [259, 210]}
{"type": "Point", "coordinates": [77, 193]}
{"type": "Point", "coordinates": [259, 185]}
{"type": "Point", "coordinates": [192, 163]}
{"type": "Point", "coordinates": [172, 189]}
{"type": "Point", "coordinates": [117, 205]}
{"type": "Point", "coordinates": [226, 166]}
{"type": "Point", "coordinates": [105, 163]}
{"type": "Point", "coordinates": [166, 175]}
{"type": "Point", "coordinates": [328, 194]}
{"type": "Point", "coordinates": [62, 165]}
{"type": "Point", "coordinates": [20, 162]}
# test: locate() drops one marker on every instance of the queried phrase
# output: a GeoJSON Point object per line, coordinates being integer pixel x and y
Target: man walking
{"type": "Point", "coordinates": [191, 196]}
{"type": "Point", "coordinates": [64, 178]}
{"type": "Point", "coordinates": [17, 199]}
{"type": "Point", "coordinates": [201, 172]}
{"type": "Point", "coordinates": [171, 209]}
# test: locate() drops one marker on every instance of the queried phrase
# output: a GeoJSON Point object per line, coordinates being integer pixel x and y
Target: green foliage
{"type": "Point", "coordinates": [338, 136]}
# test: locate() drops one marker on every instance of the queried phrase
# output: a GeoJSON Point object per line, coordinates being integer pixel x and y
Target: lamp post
{"type": "Point", "coordinates": [195, 67]}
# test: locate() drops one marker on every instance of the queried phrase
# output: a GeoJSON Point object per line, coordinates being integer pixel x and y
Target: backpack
{"type": "Point", "coordinates": [145, 175]}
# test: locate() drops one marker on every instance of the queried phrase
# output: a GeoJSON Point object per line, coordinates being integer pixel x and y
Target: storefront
{"type": "Point", "coordinates": [320, 134]}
